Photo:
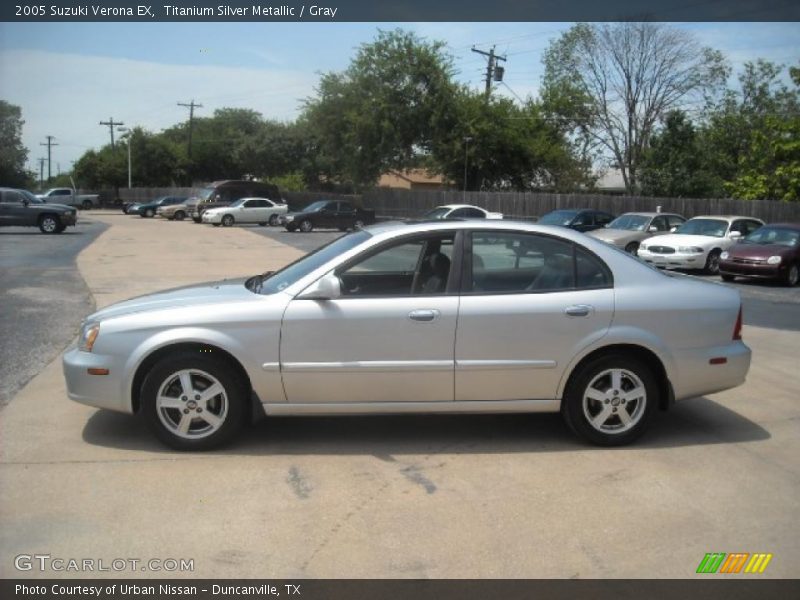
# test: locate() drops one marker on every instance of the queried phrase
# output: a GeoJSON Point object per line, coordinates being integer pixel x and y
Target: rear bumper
{"type": "Point", "coordinates": [696, 375]}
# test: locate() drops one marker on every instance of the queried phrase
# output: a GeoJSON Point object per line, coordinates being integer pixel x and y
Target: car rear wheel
{"type": "Point", "coordinates": [632, 248]}
{"type": "Point", "coordinates": [227, 221]}
{"type": "Point", "coordinates": [792, 276]}
{"type": "Point", "coordinates": [197, 219]}
{"type": "Point", "coordinates": [610, 400]}
{"type": "Point", "coordinates": [149, 213]}
{"type": "Point", "coordinates": [274, 220]}
{"type": "Point", "coordinates": [194, 402]}
{"type": "Point", "coordinates": [306, 226]}
{"type": "Point", "coordinates": [179, 215]}
{"type": "Point", "coordinates": [727, 278]}
{"type": "Point", "coordinates": [291, 228]}
{"type": "Point", "coordinates": [712, 262]}
{"type": "Point", "coordinates": [359, 224]}
{"type": "Point", "coordinates": [50, 224]}
{"type": "Point", "coordinates": [86, 204]}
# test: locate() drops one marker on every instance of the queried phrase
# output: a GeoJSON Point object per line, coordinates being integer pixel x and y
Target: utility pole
{"type": "Point", "coordinates": [493, 70]}
{"type": "Point", "coordinates": [41, 173]}
{"type": "Point", "coordinates": [111, 123]}
{"type": "Point", "coordinates": [49, 143]}
{"type": "Point", "coordinates": [191, 106]}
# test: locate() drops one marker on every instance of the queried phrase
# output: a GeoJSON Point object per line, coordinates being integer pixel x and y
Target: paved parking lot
{"type": "Point", "coordinates": [432, 496]}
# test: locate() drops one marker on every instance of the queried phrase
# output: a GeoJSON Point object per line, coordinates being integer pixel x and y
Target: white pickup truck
{"type": "Point", "coordinates": [65, 195]}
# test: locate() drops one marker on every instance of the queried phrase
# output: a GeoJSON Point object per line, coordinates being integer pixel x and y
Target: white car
{"type": "Point", "coordinates": [246, 210]}
{"type": "Point", "coordinates": [698, 243]}
{"type": "Point", "coordinates": [460, 211]}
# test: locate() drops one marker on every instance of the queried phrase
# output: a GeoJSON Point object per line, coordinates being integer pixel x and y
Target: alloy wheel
{"type": "Point", "coordinates": [614, 401]}
{"type": "Point", "coordinates": [192, 404]}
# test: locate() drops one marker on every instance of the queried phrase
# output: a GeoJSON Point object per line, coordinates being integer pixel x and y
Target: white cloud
{"type": "Point", "coordinates": [67, 95]}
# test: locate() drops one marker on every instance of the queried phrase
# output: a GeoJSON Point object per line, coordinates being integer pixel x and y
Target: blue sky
{"type": "Point", "coordinates": [69, 76]}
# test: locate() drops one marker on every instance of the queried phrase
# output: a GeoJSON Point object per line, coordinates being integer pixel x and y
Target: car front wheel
{"type": "Point", "coordinates": [227, 221]}
{"type": "Point", "coordinates": [149, 213]}
{"type": "Point", "coordinates": [50, 224]}
{"type": "Point", "coordinates": [274, 220]}
{"type": "Point", "coordinates": [179, 215]}
{"type": "Point", "coordinates": [86, 204]}
{"type": "Point", "coordinates": [792, 276]}
{"type": "Point", "coordinates": [632, 248]}
{"type": "Point", "coordinates": [610, 400]}
{"type": "Point", "coordinates": [712, 262]}
{"type": "Point", "coordinates": [194, 402]}
{"type": "Point", "coordinates": [306, 226]}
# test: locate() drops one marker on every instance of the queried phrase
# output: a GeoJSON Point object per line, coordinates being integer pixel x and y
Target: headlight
{"type": "Point", "coordinates": [724, 255]}
{"type": "Point", "coordinates": [774, 260]}
{"type": "Point", "coordinates": [89, 334]}
{"type": "Point", "coordinates": [289, 218]}
{"type": "Point", "coordinates": [690, 250]}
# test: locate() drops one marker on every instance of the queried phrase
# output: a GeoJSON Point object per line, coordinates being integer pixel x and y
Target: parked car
{"type": "Point", "coordinates": [21, 208]}
{"type": "Point", "coordinates": [447, 316]}
{"type": "Point", "coordinates": [628, 230]}
{"type": "Point", "coordinates": [770, 252]}
{"type": "Point", "coordinates": [331, 214]}
{"type": "Point", "coordinates": [177, 212]}
{"type": "Point", "coordinates": [584, 219]}
{"type": "Point", "coordinates": [698, 243]}
{"type": "Point", "coordinates": [148, 210]}
{"type": "Point", "coordinates": [224, 193]}
{"type": "Point", "coordinates": [246, 210]}
{"type": "Point", "coordinates": [69, 197]}
{"type": "Point", "coordinates": [460, 211]}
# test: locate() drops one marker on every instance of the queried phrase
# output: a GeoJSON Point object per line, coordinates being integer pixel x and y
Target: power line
{"type": "Point", "coordinates": [191, 106]}
{"type": "Point", "coordinates": [49, 143]}
{"type": "Point", "coordinates": [111, 124]}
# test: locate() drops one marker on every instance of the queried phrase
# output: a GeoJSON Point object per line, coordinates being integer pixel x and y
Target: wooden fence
{"type": "Point", "coordinates": [395, 203]}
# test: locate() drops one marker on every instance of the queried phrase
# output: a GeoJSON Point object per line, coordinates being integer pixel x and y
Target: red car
{"type": "Point", "coordinates": [770, 252]}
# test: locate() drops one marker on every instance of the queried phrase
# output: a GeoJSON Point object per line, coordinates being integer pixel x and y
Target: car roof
{"type": "Point", "coordinates": [652, 214]}
{"type": "Point", "coordinates": [725, 217]}
{"type": "Point", "coordinates": [455, 206]}
{"type": "Point", "coordinates": [795, 226]}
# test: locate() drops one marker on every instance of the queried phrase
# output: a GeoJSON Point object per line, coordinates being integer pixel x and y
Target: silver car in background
{"type": "Point", "coordinates": [434, 317]}
{"type": "Point", "coordinates": [629, 230]}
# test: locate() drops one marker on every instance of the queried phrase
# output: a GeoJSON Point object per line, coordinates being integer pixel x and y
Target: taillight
{"type": "Point", "coordinates": [737, 329]}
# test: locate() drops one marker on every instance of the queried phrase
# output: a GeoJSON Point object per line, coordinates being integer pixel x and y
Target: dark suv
{"type": "Point", "coordinates": [579, 219]}
{"type": "Point", "coordinates": [21, 208]}
{"type": "Point", "coordinates": [224, 193]}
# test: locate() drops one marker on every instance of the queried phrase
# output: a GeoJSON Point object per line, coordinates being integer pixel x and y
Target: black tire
{"type": "Point", "coordinates": [197, 219]}
{"type": "Point", "coordinates": [50, 224]}
{"type": "Point", "coordinates": [262, 224]}
{"type": "Point", "coordinates": [712, 262]}
{"type": "Point", "coordinates": [632, 248]}
{"type": "Point", "coordinates": [234, 399]}
{"type": "Point", "coordinates": [306, 226]}
{"type": "Point", "coordinates": [215, 224]}
{"type": "Point", "coordinates": [291, 228]}
{"type": "Point", "coordinates": [726, 277]}
{"type": "Point", "coordinates": [358, 224]}
{"type": "Point", "coordinates": [576, 415]}
{"type": "Point", "coordinates": [179, 215]}
{"type": "Point", "coordinates": [274, 220]}
{"type": "Point", "coordinates": [228, 221]}
{"type": "Point", "coordinates": [792, 276]}
{"type": "Point", "coordinates": [149, 213]}
{"type": "Point", "coordinates": [87, 204]}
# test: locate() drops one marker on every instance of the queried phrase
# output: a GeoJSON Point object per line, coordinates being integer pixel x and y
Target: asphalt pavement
{"type": "Point", "coordinates": [44, 298]}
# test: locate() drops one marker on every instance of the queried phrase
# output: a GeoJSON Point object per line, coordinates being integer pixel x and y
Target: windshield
{"type": "Point", "coordinates": [558, 217]}
{"type": "Point", "coordinates": [709, 227]}
{"type": "Point", "coordinates": [31, 198]}
{"type": "Point", "coordinates": [439, 212]}
{"type": "Point", "coordinates": [630, 222]}
{"type": "Point", "coordinates": [300, 268]}
{"type": "Point", "coordinates": [315, 206]}
{"type": "Point", "coordinates": [239, 202]}
{"type": "Point", "coordinates": [206, 194]}
{"type": "Point", "coordinates": [765, 236]}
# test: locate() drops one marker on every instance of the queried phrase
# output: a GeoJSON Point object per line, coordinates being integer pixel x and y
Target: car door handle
{"type": "Point", "coordinates": [579, 310]}
{"type": "Point", "coordinates": [423, 315]}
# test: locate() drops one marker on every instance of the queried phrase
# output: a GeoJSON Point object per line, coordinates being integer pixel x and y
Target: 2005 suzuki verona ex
{"type": "Point", "coordinates": [460, 316]}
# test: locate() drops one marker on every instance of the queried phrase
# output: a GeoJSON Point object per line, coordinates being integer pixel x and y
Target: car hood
{"type": "Point", "coordinates": [64, 207]}
{"type": "Point", "coordinates": [675, 240]}
{"type": "Point", "coordinates": [228, 290]}
{"type": "Point", "coordinates": [742, 250]}
{"type": "Point", "coordinates": [300, 213]}
{"type": "Point", "coordinates": [615, 235]}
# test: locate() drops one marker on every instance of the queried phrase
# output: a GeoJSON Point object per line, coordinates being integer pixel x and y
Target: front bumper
{"type": "Point", "coordinates": [101, 391]}
{"type": "Point", "coordinates": [678, 260]}
{"type": "Point", "coordinates": [69, 218]}
{"type": "Point", "coordinates": [760, 270]}
{"type": "Point", "coordinates": [207, 218]}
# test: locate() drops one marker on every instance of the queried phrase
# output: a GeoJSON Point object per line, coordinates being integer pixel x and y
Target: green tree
{"type": "Point", "coordinates": [675, 164]}
{"type": "Point", "coordinates": [384, 110]}
{"type": "Point", "coordinates": [613, 83]}
{"type": "Point", "coordinates": [13, 154]}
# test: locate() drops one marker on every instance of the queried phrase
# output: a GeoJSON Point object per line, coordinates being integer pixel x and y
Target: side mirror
{"type": "Point", "coordinates": [672, 229]}
{"type": "Point", "coordinates": [652, 229]}
{"type": "Point", "coordinates": [25, 202]}
{"type": "Point", "coordinates": [327, 287]}
{"type": "Point", "coordinates": [735, 235]}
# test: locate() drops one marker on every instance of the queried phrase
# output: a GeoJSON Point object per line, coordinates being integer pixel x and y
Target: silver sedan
{"type": "Point", "coordinates": [466, 316]}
